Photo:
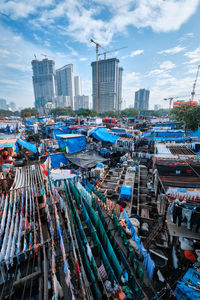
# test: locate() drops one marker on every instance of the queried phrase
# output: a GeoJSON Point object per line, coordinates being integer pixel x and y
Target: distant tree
{"type": "Point", "coordinates": [28, 112]}
{"type": "Point", "coordinates": [129, 112]}
{"type": "Point", "coordinates": [188, 115]}
{"type": "Point", "coordinates": [6, 113]}
{"type": "Point", "coordinates": [86, 113]}
{"type": "Point", "coordinates": [63, 111]}
{"type": "Point", "coordinates": [154, 113]}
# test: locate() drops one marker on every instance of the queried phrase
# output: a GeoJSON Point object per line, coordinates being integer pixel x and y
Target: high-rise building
{"type": "Point", "coordinates": [44, 79]}
{"type": "Point", "coordinates": [142, 99]}
{"type": "Point", "coordinates": [62, 101]}
{"type": "Point", "coordinates": [109, 85]}
{"type": "Point", "coordinates": [3, 104]}
{"type": "Point", "coordinates": [81, 102]}
{"type": "Point", "coordinates": [65, 82]}
{"type": "Point", "coordinates": [77, 86]}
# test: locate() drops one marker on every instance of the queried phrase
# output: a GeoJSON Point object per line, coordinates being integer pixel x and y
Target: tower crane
{"type": "Point", "coordinates": [45, 55]}
{"type": "Point", "coordinates": [97, 72]}
{"type": "Point", "coordinates": [171, 99]}
{"type": "Point", "coordinates": [104, 53]}
{"type": "Point", "coordinates": [194, 84]}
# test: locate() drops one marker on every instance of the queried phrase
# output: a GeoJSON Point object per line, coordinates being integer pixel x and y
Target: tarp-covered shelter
{"type": "Point", "coordinates": [87, 159]}
{"type": "Point", "coordinates": [102, 134]}
{"type": "Point", "coordinates": [58, 160]}
{"type": "Point", "coordinates": [27, 145]}
{"type": "Point", "coordinates": [9, 143]}
{"type": "Point", "coordinates": [72, 142]}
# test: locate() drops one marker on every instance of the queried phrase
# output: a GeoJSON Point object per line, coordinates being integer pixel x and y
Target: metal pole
{"type": "Point", "coordinates": [97, 75]}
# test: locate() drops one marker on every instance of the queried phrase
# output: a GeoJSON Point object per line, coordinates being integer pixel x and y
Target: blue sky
{"type": "Point", "coordinates": [162, 39]}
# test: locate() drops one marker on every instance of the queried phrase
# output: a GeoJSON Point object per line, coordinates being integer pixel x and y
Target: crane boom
{"type": "Point", "coordinates": [194, 84]}
{"type": "Point", "coordinates": [104, 53]}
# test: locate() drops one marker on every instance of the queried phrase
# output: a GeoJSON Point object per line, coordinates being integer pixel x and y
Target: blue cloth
{"type": "Point", "coordinates": [102, 134]}
{"type": "Point", "coordinates": [125, 192]}
{"type": "Point", "coordinates": [58, 160]}
{"type": "Point", "coordinates": [130, 226]}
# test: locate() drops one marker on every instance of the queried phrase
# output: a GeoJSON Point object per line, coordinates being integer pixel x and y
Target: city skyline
{"type": "Point", "coordinates": [162, 54]}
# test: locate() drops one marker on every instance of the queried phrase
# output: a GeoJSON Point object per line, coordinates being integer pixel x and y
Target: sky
{"type": "Point", "coordinates": [161, 40]}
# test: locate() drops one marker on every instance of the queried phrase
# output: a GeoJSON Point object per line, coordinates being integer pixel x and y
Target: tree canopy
{"type": "Point", "coordinates": [188, 115]}
{"type": "Point", "coordinates": [28, 112]}
{"type": "Point", "coordinates": [63, 111]}
{"type": "Point", "coordinates": [86, 113]}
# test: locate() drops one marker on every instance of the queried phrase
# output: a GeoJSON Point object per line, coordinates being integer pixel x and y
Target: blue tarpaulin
{"type": "Point", "coordinates": [194, 133]}
{"type": "Point", "coordinates": [102, 134]}
{"type": "Point", "coordinates": [74, 143]}
{"type": "Point", "coordinates": [27, 145]}
{"type": "Point", "coordinates": [185, 289]}
{"type": "Point", "coordinates": [125, 192]}
{"type": "Point", "coordinates": [164, 134]}
{"type": "Point", "coordinates": [163, 139]}
{"type": "Point", "coordinates": [61, 130]}
{"type": "Point", "coordinates": [58, 160]}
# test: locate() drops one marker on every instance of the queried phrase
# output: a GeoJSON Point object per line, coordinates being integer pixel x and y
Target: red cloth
{"type": "Point", "coordinates": [189, 254]}
{"type": "Point", "coordinates": [77, 268]}
{"type": "Point", "coordinates": [121, 208]}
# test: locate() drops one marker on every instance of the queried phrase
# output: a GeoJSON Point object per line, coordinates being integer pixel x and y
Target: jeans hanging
{"type": "Point", "coordinates": [177, 213]}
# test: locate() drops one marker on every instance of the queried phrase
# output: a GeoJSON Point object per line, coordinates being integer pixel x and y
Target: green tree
{"type": "Point", "coordinates": [6, 113]}
{"type": "Point", "coordinates": [86, 113]}
{"type": "Point", "coordinates": [28, 112]}
{"type": "Point", "coordinates": [129, 112]}
{"type": "Point", "coordinates": [63, 111]}
{"type": "Point", "coordinates": [188, 115]}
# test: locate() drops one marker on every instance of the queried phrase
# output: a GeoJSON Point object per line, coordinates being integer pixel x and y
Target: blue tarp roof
{"type": "Point", "coordinates": [27, 145]}
{"type": "Point", "coordinates": [7, 145]}
{"type": "Point", "coordinates": [194, 133]}
{"type": "Point", "coordinates": [162, 139]}
{"type": "Point", "coordinates": [101, 134]}
{"type": "Point", "coordinates": [75, 143]}
{"type": "Point", "coordinates": [164, 133]}
{"type": "Point", "coordinates": [58, 160]}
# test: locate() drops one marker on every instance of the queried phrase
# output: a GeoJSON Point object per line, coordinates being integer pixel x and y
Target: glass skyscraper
{"type": "Point", "coordinates": [142, 99]}
{"type": "Point", "coordinates": [65, 82]}
{"type": "Point", "coordinates": [44, 79]}
{"type": "Point", "coordinates": [109, 85]}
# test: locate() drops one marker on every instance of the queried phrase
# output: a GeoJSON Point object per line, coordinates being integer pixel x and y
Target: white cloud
{"type": "Point", "coordinates": [131, 77]}
{"type": "Point", "coordinates": [137, 52]}
{"type": "Point", "coordinates": [81, 21]}
{"type": "Point", "coordinates": [167, 65]}
{"type": "Point", "coordinates": [173, 50]}
{"type": "Point", "coordinates": [83, 58]}
{"type": "Point", "coordinates": [22, 8]}
{"type": "Point", "coordinates": [16, 66]}
{"type": "Point", "coordinates": [133, 53]}
{"type": "Point", "coordinates": [193, 55]}
{"type": "Point", "coordinates": [72, 51]}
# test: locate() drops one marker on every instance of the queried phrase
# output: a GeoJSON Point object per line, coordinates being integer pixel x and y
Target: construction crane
{"type": "Point", "coordinates": [171, 99]}
{"type": "Point", "coordinates": [46, 56]}
{"type": "Point", "coordinates": [97, 72]}
{"type": "Point", "coordinates": [194, 84]}
{"type": "Point", "coordinates": [104, 53]}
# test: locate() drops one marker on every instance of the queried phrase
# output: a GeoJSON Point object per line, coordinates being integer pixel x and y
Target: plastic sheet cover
{"type": "Point", "coordinates": [58, 160]}
{"type": "Point", "coordinates": [88, 159]}
{"type": "Point", "coordinates": [27, 145]}
{"type": "Point", "coordinates": [101, 134]}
